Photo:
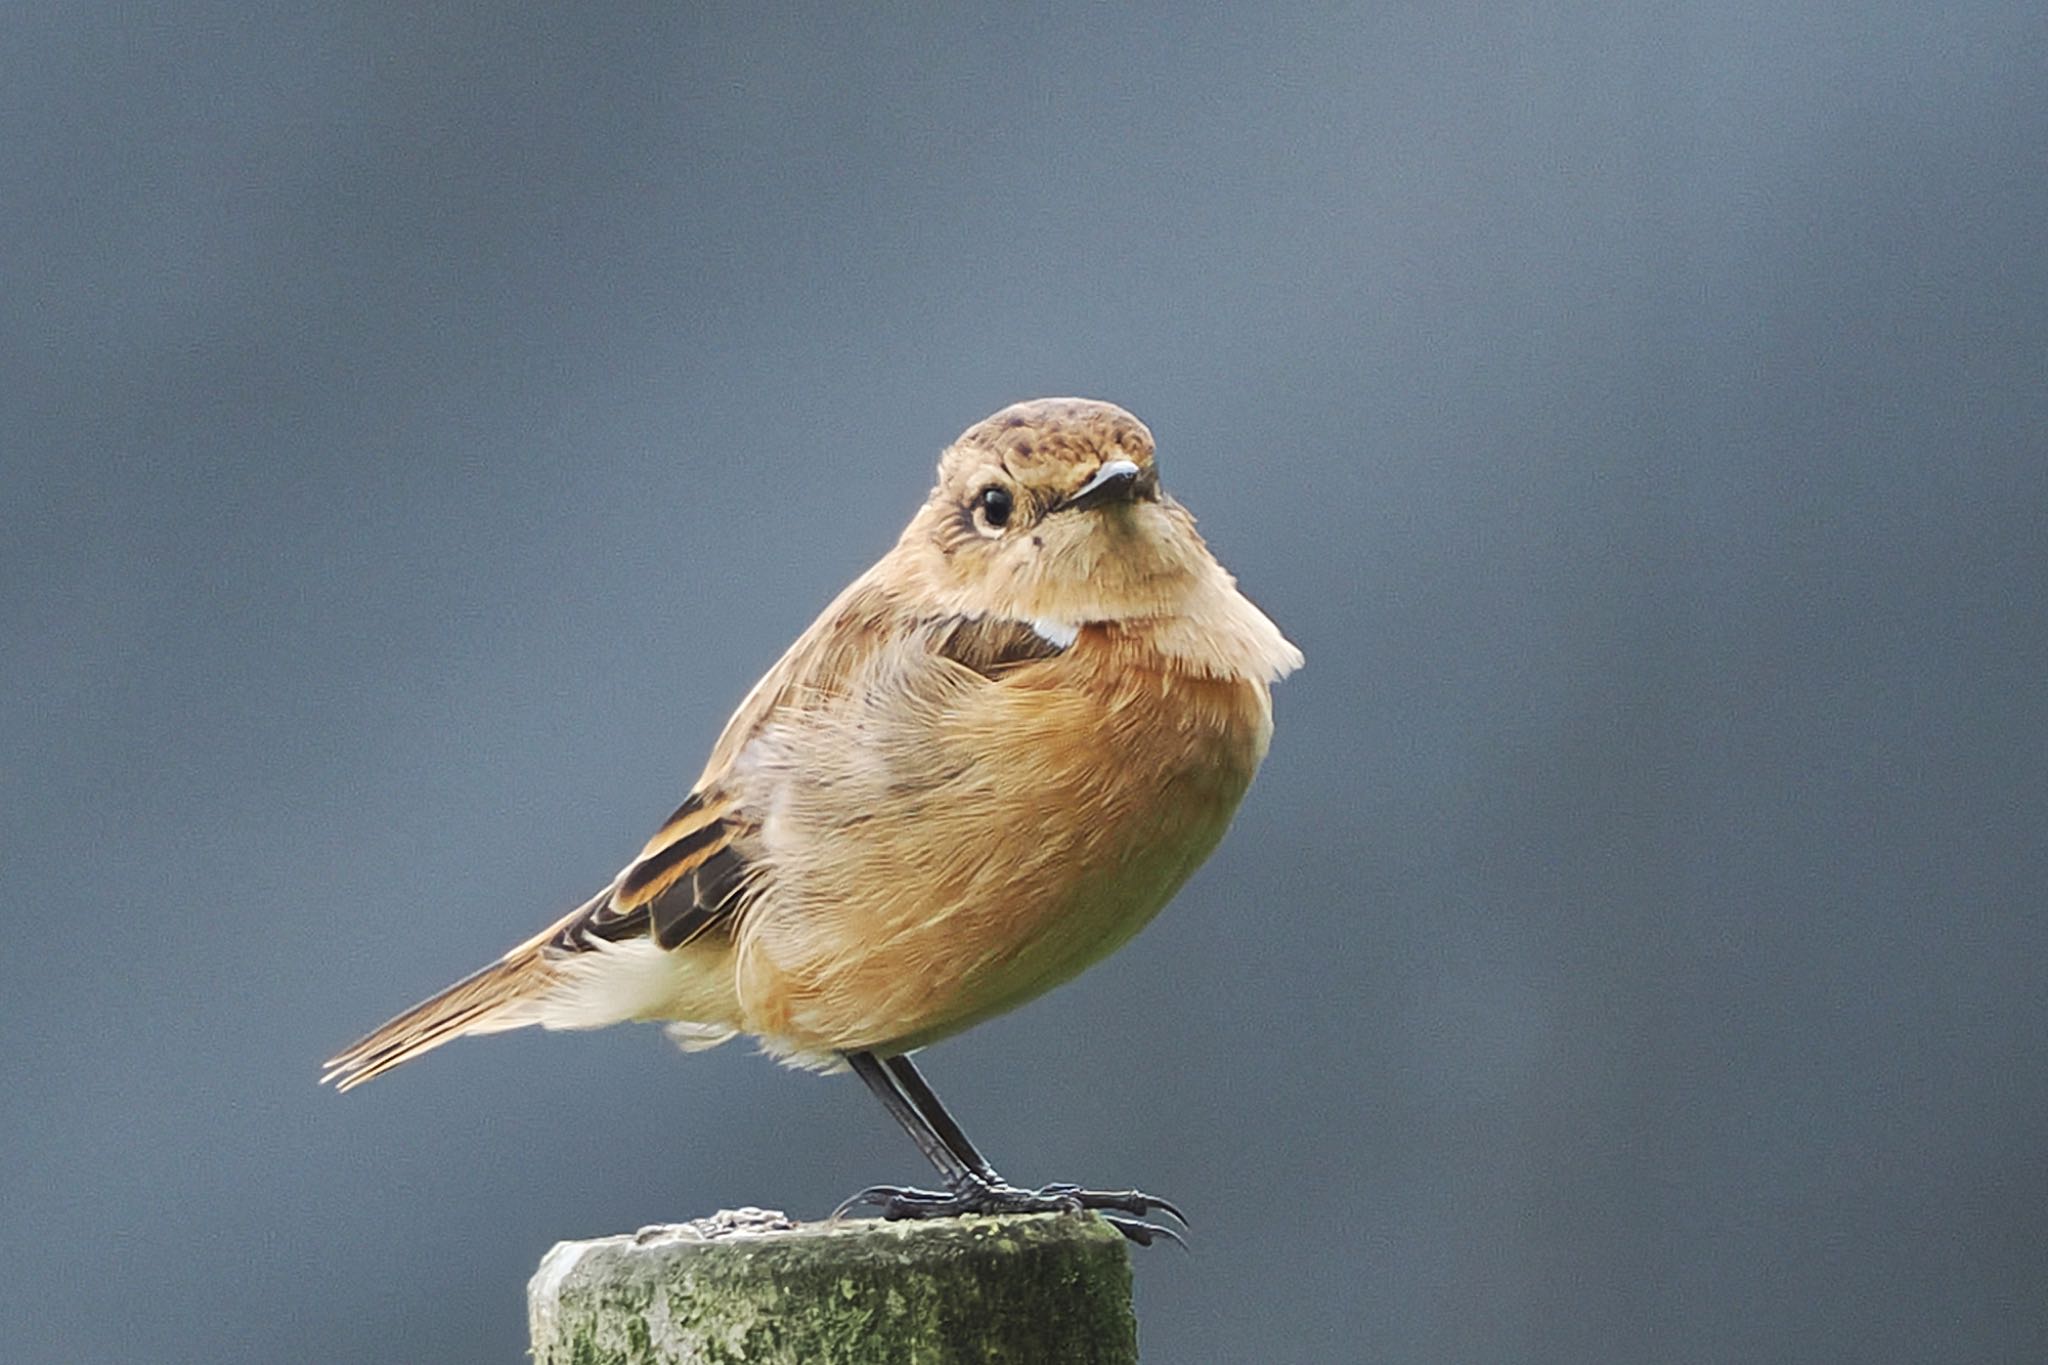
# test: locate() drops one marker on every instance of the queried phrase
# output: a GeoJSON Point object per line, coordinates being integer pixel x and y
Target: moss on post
{"type": "Point", "coordinates": [755, 1287]}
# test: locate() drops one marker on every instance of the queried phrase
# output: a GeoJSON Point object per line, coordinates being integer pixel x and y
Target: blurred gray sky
{"type": "Point", "coordinates": [419, 424]}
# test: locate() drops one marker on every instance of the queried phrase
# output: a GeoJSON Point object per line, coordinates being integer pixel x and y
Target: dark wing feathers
{"type": "Point", "coordinates": [687, 880]}
{"type": "Point", "coordinates": [993, 645]}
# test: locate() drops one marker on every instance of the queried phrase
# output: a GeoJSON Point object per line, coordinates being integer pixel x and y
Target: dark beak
{"type": "Point", "coordinates": [1114, 482]}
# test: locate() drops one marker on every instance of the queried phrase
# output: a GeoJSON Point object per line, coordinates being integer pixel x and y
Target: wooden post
{"type": "Point", "coordinates": [755, 1287]}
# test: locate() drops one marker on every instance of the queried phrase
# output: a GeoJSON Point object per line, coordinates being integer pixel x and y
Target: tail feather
{"type": "Point", "coordinates": [600, 964]}
{"type": "Point", "coordinates": [505, 995]}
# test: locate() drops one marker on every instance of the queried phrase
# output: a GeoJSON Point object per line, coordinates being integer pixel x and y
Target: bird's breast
{"type": "Point", "coordinates": [943, 846]}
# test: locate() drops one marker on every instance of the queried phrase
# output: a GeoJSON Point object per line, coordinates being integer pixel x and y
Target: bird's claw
{"type": "Point", "coordinates": [981, 1197]}
{"type": "Point", "coordinates": [1143, 1233]}
{"type": "Point", "coordinates": [1123, 1201]}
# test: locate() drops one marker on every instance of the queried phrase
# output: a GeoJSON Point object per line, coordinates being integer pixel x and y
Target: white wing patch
{"type": "Point", "coordinates": [1058, 634]}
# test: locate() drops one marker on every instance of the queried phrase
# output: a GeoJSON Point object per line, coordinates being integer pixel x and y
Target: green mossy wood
{"type": "Point", "coordinates": [749, 1286]}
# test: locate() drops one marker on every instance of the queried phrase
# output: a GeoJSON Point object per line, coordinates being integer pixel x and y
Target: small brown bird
{"type": "Point", "coordinates": [989, 763]}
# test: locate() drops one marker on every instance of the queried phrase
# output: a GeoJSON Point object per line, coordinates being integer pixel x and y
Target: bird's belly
{"type": "Point", "coordinates": [943, 905]}
{"type": "Point", "coordinates": [1040, 946]}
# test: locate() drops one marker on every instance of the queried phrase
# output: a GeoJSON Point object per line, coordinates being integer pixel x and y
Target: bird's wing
{"type": "Point", "coordinates": [693, 873]}
{"type": "Point", "coordinates": [688, 880]}
{"type": "Point", "coordinates": [694, 876]}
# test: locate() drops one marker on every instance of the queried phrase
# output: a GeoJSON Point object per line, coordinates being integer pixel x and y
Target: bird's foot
{"type": "Point", "coordinates": [981, 1196]}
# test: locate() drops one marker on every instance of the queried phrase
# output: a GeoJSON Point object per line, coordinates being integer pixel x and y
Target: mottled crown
{"type": "Point", "coordinates": [1041, 435]}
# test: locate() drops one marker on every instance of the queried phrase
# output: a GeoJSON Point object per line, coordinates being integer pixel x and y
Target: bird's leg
{"type": "Point", "coordinates": [972, 1185]}
{"type": "Point", "coordinates": [951, 1167]}
{"type": "Point", "coordinates": [926, 1100]}
{"type": "Point", "coordinates": [920, 1094]}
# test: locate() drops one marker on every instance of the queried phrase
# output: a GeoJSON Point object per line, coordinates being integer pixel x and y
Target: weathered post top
{"type": "Point", "coordinates": [748, 1285]}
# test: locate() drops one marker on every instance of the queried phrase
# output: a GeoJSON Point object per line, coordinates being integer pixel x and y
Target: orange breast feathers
{"type": "Point", "coordinates": [939, 845]}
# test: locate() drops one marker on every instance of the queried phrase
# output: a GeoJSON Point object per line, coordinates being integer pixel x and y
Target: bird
{"type": "Point", "coordinates": [987, 764]}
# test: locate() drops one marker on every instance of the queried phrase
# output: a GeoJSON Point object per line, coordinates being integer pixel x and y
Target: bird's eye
{"type": "Point", "coordinates": [995, 505]}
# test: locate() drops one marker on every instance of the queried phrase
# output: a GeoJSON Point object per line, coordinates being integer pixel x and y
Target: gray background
{"type": "Point", "coordinates": [419, 424]}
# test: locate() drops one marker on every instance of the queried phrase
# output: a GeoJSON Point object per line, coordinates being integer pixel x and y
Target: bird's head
{"type": "Point", "coordinates": [1051, 511]}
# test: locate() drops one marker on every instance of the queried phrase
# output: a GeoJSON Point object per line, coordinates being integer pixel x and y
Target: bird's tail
{"type": "Point", "coordinates": [510, 993]}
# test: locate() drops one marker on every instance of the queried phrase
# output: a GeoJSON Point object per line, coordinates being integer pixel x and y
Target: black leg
{"type": "Point", "coordinates": [972, 1185]}
{"type": "Point", "coordinates": [920, 1094]}
{"type": "Point", "coordinates": [905, 1111]}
